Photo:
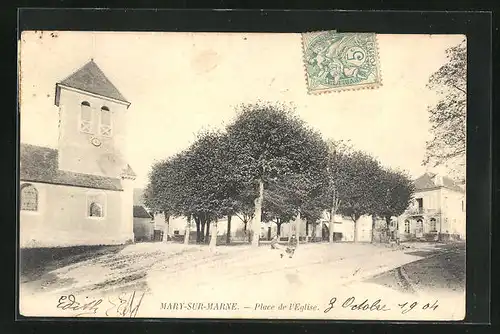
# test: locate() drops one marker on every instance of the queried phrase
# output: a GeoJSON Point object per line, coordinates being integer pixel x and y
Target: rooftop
{"type": "Point", "coordinates": [90, 78]}
{"type": "Point", "coordinates": [40, 164]}
{"type": "Point", "coordinates": [432, 181]}
{"type": "Point", "coordinates": [141, 212]}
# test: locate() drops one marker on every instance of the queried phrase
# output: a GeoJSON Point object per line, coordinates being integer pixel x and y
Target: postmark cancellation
{"type": "Point", "coordinates": [335, 61]}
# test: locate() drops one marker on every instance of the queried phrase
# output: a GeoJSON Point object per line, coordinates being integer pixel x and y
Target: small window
{"type": "Point", "coordinates": [105, 122]}
{"type": "Point", "coordinates": [29, 198]}
{"type": "Point", "coordinates": [420, 203]}
{"type": "Point", "coordinates": [96, 205]}
{"type": "Point", "coordinates": [407, 226]}
{"type": "Point", "coordinates": [86, 117]}
{"type": "Point", "coordinates": [433, 225]}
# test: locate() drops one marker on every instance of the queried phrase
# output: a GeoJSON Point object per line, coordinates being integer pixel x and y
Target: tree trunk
{"type": "Point", "coordinates": [278, 228]}
{"type": "Point", "coordinates": [167, 226]}
{"type": "Point", "coordinates": [269, 233]}
{"type": "Point", "coordinates": [355, 220]}
{"type": "Point", "coordinates": [198, 229]}
{"type": "Point", "coordinates": [313, 232]}
{"type": "Point", "coordinates": [207, 236]}
{"type": "Point", "coordinates": [202, 232]}
{"type": "Point", "coordinates": [397, 231]}
{"type": "Point", "coordinates": [374, 219]}
{"type": "Point", "coordinates": [298, 222]}
{"type": "Point", "coordinates": [187, 232]}
{"type": "Point", "coordinates": [387, 228]}
{"type": "Point", "coordinates": [258, 215]}
{"type": "Point", "coordinates": [213, 237]}
{"type": "Point", "coordinates": [331, 224]}
{"type": "Point", "coordinates": [307, 230]}
{"type": "Point", "coordinates": [245, 230]}
{"type": "Point", "coordinates": [228, 236]}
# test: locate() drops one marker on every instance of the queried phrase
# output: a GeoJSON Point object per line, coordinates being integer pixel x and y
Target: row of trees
{"type": "Point", "coordinates": [268, 165]}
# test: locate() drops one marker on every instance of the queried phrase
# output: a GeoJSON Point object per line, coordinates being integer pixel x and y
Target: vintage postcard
{"type": "Point", "coordinates": [242, 175]}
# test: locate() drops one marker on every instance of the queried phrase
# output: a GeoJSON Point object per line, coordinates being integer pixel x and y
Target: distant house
{"type": "Point", "coordinates": [438, 210]}
{"type": "Point", "coordinates": [177, 226]}
{"type": "Point", "coordinates": [142, 212]}
{"type": "Point", "coordinates": [344, 230]}
{"type": "Point", "coordinates": [79, 193]}
{"type": "Point", "coordinates": [143, 224]}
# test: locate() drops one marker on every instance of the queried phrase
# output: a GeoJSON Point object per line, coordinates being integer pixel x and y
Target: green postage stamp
{"type": "Point", "coordinates": [340, 61]}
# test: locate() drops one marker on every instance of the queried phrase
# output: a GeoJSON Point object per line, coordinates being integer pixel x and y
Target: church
{"type": "Point", "coordinates": [80, 193]}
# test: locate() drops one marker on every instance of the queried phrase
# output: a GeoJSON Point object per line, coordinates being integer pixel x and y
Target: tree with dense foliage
{"type": "Point", "coordinates": [244, 205]}
{"type": "Point", "coordinates": [336, 183]}
{"type": "Point", "coordinates": [395, 192]}
{"type": "Point", "coordinates": [448, 117]}
{"type": "Point", "coordinates": [211, 182]}
{"type": "Point", "coordinates": [276, 207]}
{"type": "Point", "coordinates": [301, 194]}
{"type": "Point", "coordinates": [164, 192]}
{"type": "Point", "coordinates": [399, 190]}
{"type": "Point", "coordinates": [361, 175]}
{"type": "Point", "coordinates": [269, 142]}
{"type": "Point", "coordinates": [195, 183]}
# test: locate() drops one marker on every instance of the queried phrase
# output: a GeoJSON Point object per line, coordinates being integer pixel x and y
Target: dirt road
{"type": "Point", "coordinates": [258, 280]}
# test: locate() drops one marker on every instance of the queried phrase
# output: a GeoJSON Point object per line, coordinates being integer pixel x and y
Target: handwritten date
{"type": "Point", "coordinates": [407, 307]}
{"type": "Point", "coordinates": [350, 303]}
{"type": "Point", "coordinates": [377, 305]}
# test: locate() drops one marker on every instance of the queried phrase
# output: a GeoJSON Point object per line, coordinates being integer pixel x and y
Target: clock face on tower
{"type": "Point", "coordinates": [96, 142]}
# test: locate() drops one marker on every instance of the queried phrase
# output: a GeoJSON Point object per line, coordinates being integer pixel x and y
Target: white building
{"type": "Point", "coordinates": [438, 210]}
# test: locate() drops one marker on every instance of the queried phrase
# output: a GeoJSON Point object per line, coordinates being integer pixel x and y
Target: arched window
{"type": "Point", "coordinates": [96, 204]}
{"type": "Point", "coordinates": [29, 198]}
{"type": "Point", "coordinates": [433, 225]}
{"type": "Point", "coordinates": [85, 117]}
{"type": "Point", "coordinates": [95, 210]}
{"type": "Point", "coordinates": [105, 127]}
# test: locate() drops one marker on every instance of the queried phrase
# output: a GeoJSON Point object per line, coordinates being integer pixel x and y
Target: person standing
{"type": "Point", "coordinates": [292, 246]}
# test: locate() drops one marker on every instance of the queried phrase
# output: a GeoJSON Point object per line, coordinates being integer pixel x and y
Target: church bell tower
{"type": "Point", "coordinates": [92, 124]}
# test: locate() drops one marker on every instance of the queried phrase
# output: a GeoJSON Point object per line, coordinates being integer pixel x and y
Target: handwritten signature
{"type": "Point", "coordinates": [125, 305]}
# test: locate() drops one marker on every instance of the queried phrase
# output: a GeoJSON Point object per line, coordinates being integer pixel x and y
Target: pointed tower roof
{"type": "Point", "coordinates": [90, 78]}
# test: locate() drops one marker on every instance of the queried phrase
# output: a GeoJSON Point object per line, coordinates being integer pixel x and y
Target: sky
{"type": "Point", "coordinates": [180, 83]}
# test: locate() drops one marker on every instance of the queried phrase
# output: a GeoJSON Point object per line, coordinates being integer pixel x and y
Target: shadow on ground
{"type": "Point", "coordinates": [437, 249]}
{"type": "Point", "coordinates": [37, 262]}
{"type": "Point", "coordinates": [442, 268]}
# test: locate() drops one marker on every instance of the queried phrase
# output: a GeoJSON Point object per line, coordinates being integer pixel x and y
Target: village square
{"type": "Point", "coordinates": [266, 198]}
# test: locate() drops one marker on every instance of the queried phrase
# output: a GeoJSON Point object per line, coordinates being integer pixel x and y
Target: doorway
{"type": "Point", "coordinates": [419, 230]}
